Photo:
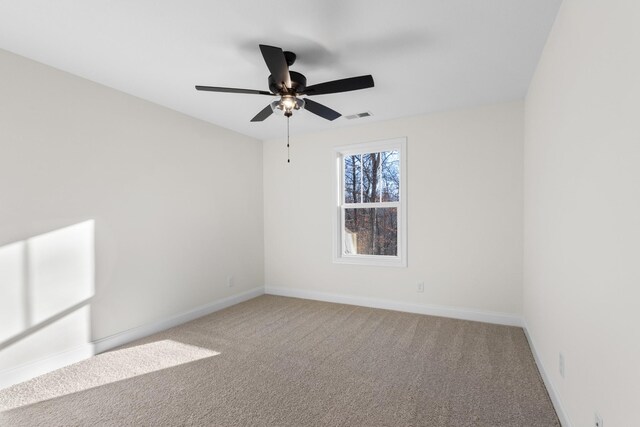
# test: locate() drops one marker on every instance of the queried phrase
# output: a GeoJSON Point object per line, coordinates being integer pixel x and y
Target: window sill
{"type": "Point", "coordinates": [379, 261]}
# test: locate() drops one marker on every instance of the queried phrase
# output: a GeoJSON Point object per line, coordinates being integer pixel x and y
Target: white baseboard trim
{"type": "Point", "coordinates": [35, 368]}
{"type": "Point", "coordinates": [553, 394]}
{"type": "Point", "coordinates": [432, 310]}
{"type": "Point", "coordinates": [124, 337]}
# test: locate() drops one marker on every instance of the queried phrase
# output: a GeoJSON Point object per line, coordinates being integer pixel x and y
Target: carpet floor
{"type": "Point", "coordinates": [275, 361]}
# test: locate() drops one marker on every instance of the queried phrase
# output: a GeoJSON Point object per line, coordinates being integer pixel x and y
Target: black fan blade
{"type": "Point", "coordinates": [343, 85]}
{"type": "Point", "coordinates": [233, 90]}
{"type": "Point", "coordinates": [263, 114]}
{"type": "Point", "coordinates": [277, 64]}
{"type": "Point", "coordinates": [320, 110]}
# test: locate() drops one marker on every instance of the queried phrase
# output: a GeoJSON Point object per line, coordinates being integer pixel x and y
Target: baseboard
{"type": "Point", "coordinates": [35, 368]}
{"type": "Point", "coordinates": [432, 310]}
{"type": "Point", "coordinates": [553, 394]}
{"type": "Point", "coordinates": [133, 334]}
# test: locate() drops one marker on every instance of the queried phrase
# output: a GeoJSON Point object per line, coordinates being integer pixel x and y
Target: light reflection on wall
{"type": "Point", "coordinates": [46, 283]}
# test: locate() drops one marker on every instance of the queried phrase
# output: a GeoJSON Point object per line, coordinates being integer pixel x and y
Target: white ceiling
{"type": "Point", "coordinates": [424, 55]}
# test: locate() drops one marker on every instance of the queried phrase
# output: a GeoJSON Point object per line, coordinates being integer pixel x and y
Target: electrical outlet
{"type": "Point", "coordinates": [598, 421]}
{"type": "Point", "coordinates": [230, 281]}
{"type": "Point", "coordinates": [561, 364]}
{"type": "Point", "coordinates": [420, 287]}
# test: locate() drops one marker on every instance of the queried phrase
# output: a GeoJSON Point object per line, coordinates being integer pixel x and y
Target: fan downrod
{"type": "Point", "coordinates": [290, 57]}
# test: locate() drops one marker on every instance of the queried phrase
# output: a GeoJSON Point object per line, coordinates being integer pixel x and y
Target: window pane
{"type": "Point", "coordinates": [352, 184]}
{"type": "Point", "coordinates": [371, 231]}
{"type": "Point", "coordinates": [371, 177]}
{"type": "Point", "coordinates": [390, 176]}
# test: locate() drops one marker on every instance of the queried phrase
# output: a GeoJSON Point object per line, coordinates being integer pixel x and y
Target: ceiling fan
{"type": "Point", "coordinates": [290, 86]}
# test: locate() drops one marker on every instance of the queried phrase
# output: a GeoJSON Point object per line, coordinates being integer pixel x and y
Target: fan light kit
{"type": "Point", "coordinates": [287, 104]}
{"type": "Point", "coordinates": [290, 86]}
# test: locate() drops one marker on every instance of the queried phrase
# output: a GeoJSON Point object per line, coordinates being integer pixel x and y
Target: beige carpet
{"type": "Point", "coordinates": [276, 361]}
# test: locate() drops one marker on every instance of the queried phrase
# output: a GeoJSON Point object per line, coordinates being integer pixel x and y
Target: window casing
{"type": "Point", "coordinates": [369, 210]}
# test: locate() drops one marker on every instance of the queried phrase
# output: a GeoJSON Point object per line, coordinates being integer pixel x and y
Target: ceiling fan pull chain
{"type": "Point", "coordinates": [288, 152]}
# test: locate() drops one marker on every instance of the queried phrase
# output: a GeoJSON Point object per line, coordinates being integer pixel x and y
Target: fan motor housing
{"type": "Point", "coordinates": [298, 83]}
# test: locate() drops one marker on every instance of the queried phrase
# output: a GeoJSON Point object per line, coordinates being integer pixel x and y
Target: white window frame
{"type": "Point", "coordinates": [338, 204]}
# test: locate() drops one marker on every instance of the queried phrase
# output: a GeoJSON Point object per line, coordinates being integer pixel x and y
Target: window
{"type": "Point", "coordinates": [370, 212]}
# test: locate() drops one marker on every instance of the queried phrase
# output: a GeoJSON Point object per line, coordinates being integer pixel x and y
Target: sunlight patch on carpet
{"type": "Point", "coordinates": [103, 369]}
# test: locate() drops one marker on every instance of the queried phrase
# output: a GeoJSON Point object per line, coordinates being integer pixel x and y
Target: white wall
{"type": "Point", "coordinates": [176, 203]}
{"type": "Point", "coordinates": [582, 209]}
{"type": "Point", "coordinates": [464, 217]}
